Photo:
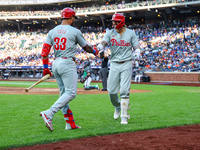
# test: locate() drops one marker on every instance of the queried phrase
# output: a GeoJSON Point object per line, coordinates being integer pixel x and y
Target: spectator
{"type": "Point", "coordinates": [139, 75]}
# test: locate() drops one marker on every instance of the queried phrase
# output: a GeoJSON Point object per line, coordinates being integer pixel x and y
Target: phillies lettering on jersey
{"type": "Point", "coordinates": [121, 43]}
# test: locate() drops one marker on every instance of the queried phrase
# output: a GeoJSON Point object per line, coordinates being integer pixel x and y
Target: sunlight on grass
{"type": "Point", "coordinates": [192, 90]}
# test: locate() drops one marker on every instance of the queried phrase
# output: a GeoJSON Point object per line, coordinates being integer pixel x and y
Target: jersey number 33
{"type": "Point", "coordinates": [60, 43]}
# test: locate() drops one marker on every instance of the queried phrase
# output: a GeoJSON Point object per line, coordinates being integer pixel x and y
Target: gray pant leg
{"type": "Point", "coordinates": [62, 91]}
{"type": "Point", "coordinates": [66, 77]}
{"type": "Point", "coordinates": [125, 82]}
{"type": "Point", "coordinates": [65, 108]}
{"type": "Point", "coordinates": [115, 101]}
{"type": "Point", "coordinates": [104, 77]}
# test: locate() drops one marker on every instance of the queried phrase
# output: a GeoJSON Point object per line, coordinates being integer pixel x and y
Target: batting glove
{"type": "Point", "coordinates": [45, 68]}
{"type": "Point", "coordinates": [46, 71]}
{"type": "Point", "coordinates": [137, 53]}
{"type": "Point", "coordinates": [95, 50]}
{"type": "Point", "coordinates": [100, 47]}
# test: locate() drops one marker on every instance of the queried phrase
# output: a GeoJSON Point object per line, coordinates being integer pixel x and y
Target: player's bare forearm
{"type": "Point", "coordinates": [88, 49]}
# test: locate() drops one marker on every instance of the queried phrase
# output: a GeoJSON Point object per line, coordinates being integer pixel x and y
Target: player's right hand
{"type": "Point", "coordinates": [96, 51]}
{"type": "Point", "coordinates": [46, 71]}
{"type": "Point", "coordinates": [137, 54]}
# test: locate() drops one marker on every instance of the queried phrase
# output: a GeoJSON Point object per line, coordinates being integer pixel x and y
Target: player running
{"type": "Point", "coordinates": [121, 40]}
{"type": "Point", "coordinates": [64, 38]}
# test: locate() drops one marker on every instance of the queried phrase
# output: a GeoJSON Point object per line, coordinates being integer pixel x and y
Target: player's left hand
{"type": "Point", "coordinates": [46, 71]}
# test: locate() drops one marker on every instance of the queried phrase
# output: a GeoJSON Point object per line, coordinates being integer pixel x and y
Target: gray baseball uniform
{"type": "Point", "coordinates": [64, 39]}
{"type": "Point", "coordinates": [119, 79]}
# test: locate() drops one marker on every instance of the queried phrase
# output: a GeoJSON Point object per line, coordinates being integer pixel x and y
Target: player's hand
{"type": "Point", "coordinates": [46, 71]}
{"type": "Point", "coordinates": [137, 53]}
{"type": "Point", "coordinates": [100, 47]}
{"type": "Point", "coordinates": [96, 51]}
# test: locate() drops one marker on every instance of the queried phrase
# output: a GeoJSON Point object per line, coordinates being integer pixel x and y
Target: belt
{"type": "Point", "coordinates": [66, 58]}
{"type": "Point", "coordinates": [121, 62]}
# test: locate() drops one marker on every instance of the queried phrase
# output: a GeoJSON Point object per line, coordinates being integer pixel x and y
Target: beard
{"type": "Point", "coordinates": [72, 23]}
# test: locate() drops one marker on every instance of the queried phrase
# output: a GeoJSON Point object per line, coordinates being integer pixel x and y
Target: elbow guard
{"type": "Point", "coordinates": [45, 50]}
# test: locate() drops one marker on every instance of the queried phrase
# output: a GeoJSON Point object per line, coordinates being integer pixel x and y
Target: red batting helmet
{"type": "Point", "coordinates": [119, 17]}
{"type": "Point", "coordinates": [67, 13]}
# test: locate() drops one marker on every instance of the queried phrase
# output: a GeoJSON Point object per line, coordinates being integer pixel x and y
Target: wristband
{"type": "Point", "coordinates": [45, 63]}
{"type": "Point", "coordinates": [94, 51]}
{"type": "Point", "coordinates": [45, 66]}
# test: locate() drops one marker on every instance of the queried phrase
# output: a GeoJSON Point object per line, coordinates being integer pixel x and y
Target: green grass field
{"type": "Point", "coordinates": [165, 106]}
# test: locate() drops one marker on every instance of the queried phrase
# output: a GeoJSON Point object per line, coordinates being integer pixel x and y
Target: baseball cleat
{"type": "Point", "coordinates": [68, 127]}
{"type": "Point", "coordinates": [104, 90]}
{"type": "Point", "coordinates": [47, 121]}
{"type": "Point", "coordinates": [97, 87]}
{"type": "Point", "coordinates": [124, 120]}
{"type": "Point", "coordinates": [116, 114]}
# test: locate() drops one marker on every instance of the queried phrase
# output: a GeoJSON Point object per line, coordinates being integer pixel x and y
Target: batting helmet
{"type": "Point", "coordinates": [119, 17]}
{"type": "Point", "coordinates": [67, 13]}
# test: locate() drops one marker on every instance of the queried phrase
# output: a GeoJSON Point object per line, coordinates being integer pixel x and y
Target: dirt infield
{"type": "Point", "coordinates": [175, 138]}
{"type": "Point", "coordinates": [48, 91]}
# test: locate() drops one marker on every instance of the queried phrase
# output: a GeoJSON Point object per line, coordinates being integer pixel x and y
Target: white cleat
{"type": "Point", "coordinates": [97, 87]}
{"type": "Point", "coordinates": [68, 127]}
{"type": "Point", "coordinates": [47, 121]}
{"type": "Point", "coordinates": [116, 114]}
{"type": "Point", "coordinates": [124, 120]}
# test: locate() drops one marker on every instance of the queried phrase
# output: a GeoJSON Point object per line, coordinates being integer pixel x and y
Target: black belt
{"type": "Point", "coordinates": [121, 62]}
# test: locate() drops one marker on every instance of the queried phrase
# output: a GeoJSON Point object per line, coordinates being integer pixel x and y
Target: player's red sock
{"type": "Point", "coordinates": [70, 119]}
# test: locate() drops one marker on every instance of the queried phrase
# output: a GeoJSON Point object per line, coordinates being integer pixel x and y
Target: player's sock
{"type": "Point", "coordinates": [70, 119]}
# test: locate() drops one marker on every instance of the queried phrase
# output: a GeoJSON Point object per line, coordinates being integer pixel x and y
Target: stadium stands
{"type": "Point", "coordinates": [167, 45]}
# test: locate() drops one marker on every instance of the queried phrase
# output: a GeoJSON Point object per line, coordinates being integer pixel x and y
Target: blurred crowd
{"type": "Point", "coordinates": [176, 48]}
{"type": "Point", "coordinates": [81, 7]}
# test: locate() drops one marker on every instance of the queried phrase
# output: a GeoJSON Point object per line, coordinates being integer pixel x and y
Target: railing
{"type": "Point", "coordinates": [99, 10]}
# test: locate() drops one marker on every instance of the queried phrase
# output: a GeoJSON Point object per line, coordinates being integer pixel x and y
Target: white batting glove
{"type": "Point", "coordinates": [137, 53]}
{"type": "Point", "coordinates": [100, 47]}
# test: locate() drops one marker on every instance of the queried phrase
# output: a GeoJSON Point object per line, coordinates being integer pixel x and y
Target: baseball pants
{"type": "Point", "coordinates": [119, 80]}
{"type": "Point", "coordinates": [104, 74]}
{"type": "Point", "coordinates": [65, 72]}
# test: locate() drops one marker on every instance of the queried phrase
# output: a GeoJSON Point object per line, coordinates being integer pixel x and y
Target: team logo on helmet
{"type": "Point", "coordinates": [113, 17]}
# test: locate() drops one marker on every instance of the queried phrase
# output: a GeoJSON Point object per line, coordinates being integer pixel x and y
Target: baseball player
{"type": "Point", "coordinates": [63, 38]}
{"type": "Point", "coordinates": [86, 79]}
{"type": "Point", "coordinates": [121, 40]}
